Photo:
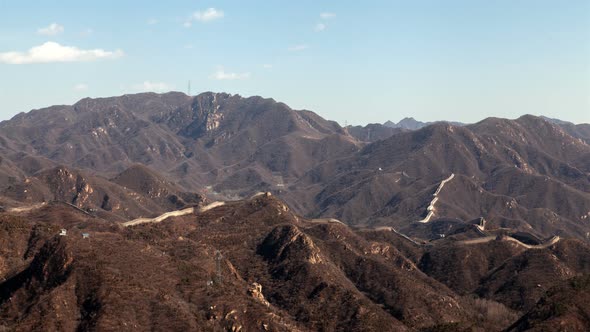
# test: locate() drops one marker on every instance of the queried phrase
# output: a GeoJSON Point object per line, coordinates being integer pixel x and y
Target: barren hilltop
{"type": "Point", "coordinates": [169, 212]}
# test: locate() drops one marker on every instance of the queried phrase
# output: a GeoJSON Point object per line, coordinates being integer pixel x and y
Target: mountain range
{"type": "Point", "coordinates": [218, 211]}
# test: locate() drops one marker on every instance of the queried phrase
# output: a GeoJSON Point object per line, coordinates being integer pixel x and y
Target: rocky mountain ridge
{"type": "Point", "coordinates": [255, 265]}
{"type": "Point", "coordinates": [218, 212]}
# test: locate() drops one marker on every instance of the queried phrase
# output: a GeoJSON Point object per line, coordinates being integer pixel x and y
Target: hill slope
{"type": "Point", "coordinates": [248, 265]}
{"type": "Point", "coordinates": [526, 174]}
{"type": "Point", "coordinates": [234, 145]}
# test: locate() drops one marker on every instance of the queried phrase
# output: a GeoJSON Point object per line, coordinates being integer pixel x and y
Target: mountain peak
{"type": "Point", "coordinates": [407, 119]}
{"type": "Point", "coordinates": [406, 123]}
{"type": "Point", "coordinates": [389, 123]}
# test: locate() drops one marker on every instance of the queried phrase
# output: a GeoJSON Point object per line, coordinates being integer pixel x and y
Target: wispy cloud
{"type": "Point", "coordinates": [51, 30]}
{"type": "Point", "coordinates": [86, 32]}
{"type": "Point", "coordinates": [297, 48]}
{"type": "Point", "coordinates": [149, 86]}
{"type": "Point", "coordinates": [81, 87]}
{"type": "Point", "coordinates": [208, 15]}
{"type": "Point", "coordinates": [54, 52]}
{"type": "Point", "coordinates": [152, 21]}
{"type": "Point", "coordinates": [221, 75]}
{"type": "Point", "coordinates": [205, 16]}
{"type": "Point", "coordinates": [320, 27]}
{"type": "Point", "coordinates": [267, 66]}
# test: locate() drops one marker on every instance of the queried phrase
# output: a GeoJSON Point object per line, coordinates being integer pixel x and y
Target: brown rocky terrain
{"type": "Point", "coordinates": [253, 265]}
{"type": "Point", "coordinates": [563, 308]}
{"type": "Point", "coordinates": [218, 212]}
{"type": "Point", "coordinates": [526, 174]}
{"type": "Point", "coordinates": [133, 193]}
{"type": "Point", "coordinates": [530, 174]}
{"type": "Point", "coordinates": [230, 144]}
{"type": "Point", "coordinates": [372, 132]}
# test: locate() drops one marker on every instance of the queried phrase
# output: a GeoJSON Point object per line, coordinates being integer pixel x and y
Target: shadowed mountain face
{"type": "Point", "coordinates": [134, 193]}
{"type": "Point", "coordinates": [413, 124]}
{"type": "Point", "coordinates": [439, 227]}
{"type": "Point", "coordinates": [407, 123]}
{"type": "Point", "coordinates": [255, 265]}
{"type": "Point", "coordinates": [373, 132]}
{"type": "Point", "coordinates": [581, 131]}
{"type": "Point", "coordinates": [526, 174]}
{"type": "Point", "coordinates": [198, 141]}
{"type": "Point", "coordinates": [563, 308]}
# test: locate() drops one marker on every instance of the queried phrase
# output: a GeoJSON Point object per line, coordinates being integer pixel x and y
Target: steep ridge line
{"type": "Point", "coordinates": [481, 226]}
{"type": "Point", "coordinates": [26, 208]}
{"type": "Point", "coordinates": [486, 239]}
{"type": "Point", "coordinates": [549, 243]}
{"type": "Point", "coordinates": [391, 229]}
{"type": "Point", "coordinates": [176, 213]}
{"type": "Point", "coordinates": [327, 221]}
{"type": "Point", "coordinates": [159, 218]}
{"type": "Point", "coordinates": [430, 208]}
{"type": "Point", "coordinates": [74, 207]}
{"type": "Point", "coordinates": [37, 206]}
{"type": "Point", "coordinates": [260, 193]}
{"type": "Point", "coordinates": [211, 206]}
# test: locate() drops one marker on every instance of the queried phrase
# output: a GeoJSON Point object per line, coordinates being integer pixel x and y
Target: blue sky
{"type": "Point", "coordinates": [349, 61]}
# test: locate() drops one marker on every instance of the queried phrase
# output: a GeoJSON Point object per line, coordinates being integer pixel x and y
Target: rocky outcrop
{"type": "Point", "coordinates": [286, 243]}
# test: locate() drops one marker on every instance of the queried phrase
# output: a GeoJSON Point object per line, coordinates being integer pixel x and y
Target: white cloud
{"type": "Point", "coordinates": [54, 52]}
{"type": "Point", "coordinates": [81, 87]}
{"type": "Point", "coordinates": [152, 86]}
{"type": "Point", "coordinates": [51, 30]}
{"type": "Point", "coordinates": [208, 15]}
{"type": "Point", "coordinates": [327, 16]}
{"type": "Point", "coordinates": [221, 74]}
{"type": "Point", "coordinates": [320, 27]}
{"type": "Point", "coordinates": [296, 48]}
{"type": "Point", "coordinates": [152, 21]}
{"type": "Point", "coordinates": [267, 66]}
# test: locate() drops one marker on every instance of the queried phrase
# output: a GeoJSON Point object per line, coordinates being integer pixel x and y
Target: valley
{"type": "Point", "coordinates": [219, 212]}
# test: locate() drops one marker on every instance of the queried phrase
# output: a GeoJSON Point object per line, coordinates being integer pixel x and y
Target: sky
{"type": "Point", "coordinates": [355, 62]}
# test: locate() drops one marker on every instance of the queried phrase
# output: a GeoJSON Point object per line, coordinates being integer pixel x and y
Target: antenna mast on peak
{"type": "Point", "coordinates": [189, 88]}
